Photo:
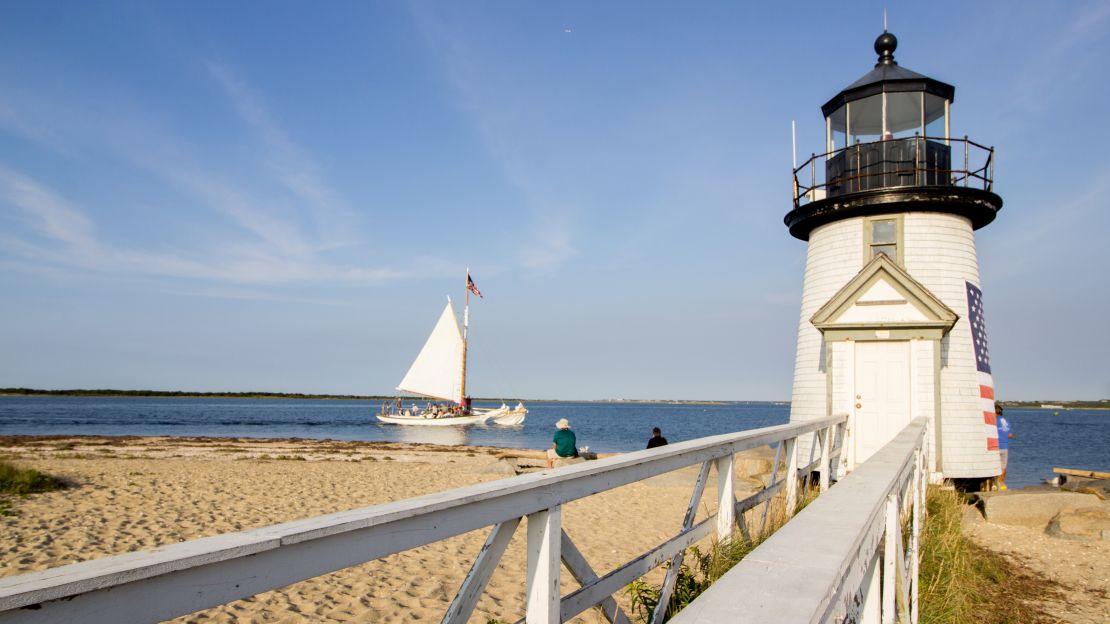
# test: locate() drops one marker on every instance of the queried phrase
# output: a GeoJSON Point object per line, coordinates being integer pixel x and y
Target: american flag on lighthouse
{"type": "Point", "coordinates": [982, 363]}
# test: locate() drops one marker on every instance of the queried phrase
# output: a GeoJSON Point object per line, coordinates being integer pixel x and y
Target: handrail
{"type": "Point", "coordinates": [826, 564]}
{"type": "Point", "coordinates": [181, 578]}
{"type": "Point", "coordinates": [807, 185]}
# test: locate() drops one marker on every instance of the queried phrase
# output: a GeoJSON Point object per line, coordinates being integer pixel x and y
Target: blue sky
{"type": "Point", "coordinates": [278, 196]}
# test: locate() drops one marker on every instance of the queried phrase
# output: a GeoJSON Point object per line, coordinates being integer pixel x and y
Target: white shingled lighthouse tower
{"type": "Point", "coordinates": [892, 324]}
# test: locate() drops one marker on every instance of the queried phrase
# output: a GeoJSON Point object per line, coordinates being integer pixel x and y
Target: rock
{"type": "Point", "coordinates": [1084, 523]}
{"type": "Point", "coordinates": [568, 461]}
{"type": "Point", "coordinates": [1098, 487]}
{"type": "Point", "coordinates": [1031, 509]}
{"type": "Point", "coordinates": [502, 467]}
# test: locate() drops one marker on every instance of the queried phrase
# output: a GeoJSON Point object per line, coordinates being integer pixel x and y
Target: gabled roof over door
{"type": "Point", "coordinates": [883, 296]}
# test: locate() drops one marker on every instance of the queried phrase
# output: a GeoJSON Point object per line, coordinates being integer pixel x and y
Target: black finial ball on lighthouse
{"type": "Point", "coordinates": [884, 47]}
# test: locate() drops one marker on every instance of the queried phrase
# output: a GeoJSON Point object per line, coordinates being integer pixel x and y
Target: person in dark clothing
{"type": "Point", "coordinates": [657, 438]}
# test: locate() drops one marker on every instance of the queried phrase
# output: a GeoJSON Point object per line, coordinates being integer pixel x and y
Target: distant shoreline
{"type": "Point", "coordinates": [350, 397]}
{"type": "Point", "coordinates": [106, 392]}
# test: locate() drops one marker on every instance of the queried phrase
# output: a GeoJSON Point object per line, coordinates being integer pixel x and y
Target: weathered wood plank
{"type": "Point", "coordinates": [1088, 474]}
{"type": "Point", "coordinates": [584, 573]}
{"type": "Point", "coordinates": [726, 496]}
{"type": "Point", "coordinates": [476, 580]}
{"type": "Point", "coordinates": [544, 559]}
{"type": "Point", "coordinates": [582, 599]}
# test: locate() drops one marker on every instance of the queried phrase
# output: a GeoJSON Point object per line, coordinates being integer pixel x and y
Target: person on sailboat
{"type": "Point", "coordinates": [563, 444]}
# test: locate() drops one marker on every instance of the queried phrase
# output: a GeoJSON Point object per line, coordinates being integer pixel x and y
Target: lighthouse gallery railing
{"type": "Point", "coordinates": [183, 578]}
{"type": "Point", "coordinates": [894, 163]}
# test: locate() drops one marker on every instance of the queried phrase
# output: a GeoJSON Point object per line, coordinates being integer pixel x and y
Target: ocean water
{"type": "Point", "coordinates": [1074, 439]}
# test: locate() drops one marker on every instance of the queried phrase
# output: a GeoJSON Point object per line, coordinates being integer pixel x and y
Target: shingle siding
{"type": "Point", "coordinates": [939, 252]}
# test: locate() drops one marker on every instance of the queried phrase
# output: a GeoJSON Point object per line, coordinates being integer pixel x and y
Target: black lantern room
{"type": "Point", "coordinates": [888, 149]}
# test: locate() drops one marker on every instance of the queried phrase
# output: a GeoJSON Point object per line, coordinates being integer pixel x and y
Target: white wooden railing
{"type": "Point", "coordinates": [841, 559]}
{"type": "Point", "coordinates": [182, 578]}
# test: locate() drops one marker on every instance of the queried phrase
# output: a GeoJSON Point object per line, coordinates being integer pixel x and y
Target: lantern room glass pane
{"type": "Point", "coordinates": [934, 116]}
{"type": "Point", "coordinates": [865, 122]}
{"type": "Point", "coordinates": [837, 122]}
{"type": "Point", "coordinates": [903, 113]}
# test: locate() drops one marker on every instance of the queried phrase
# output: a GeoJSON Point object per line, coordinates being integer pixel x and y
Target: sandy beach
{"type": "Point", "coordinates": [133, 494]}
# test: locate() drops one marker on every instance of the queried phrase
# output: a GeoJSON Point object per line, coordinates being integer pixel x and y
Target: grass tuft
{"type": "Point", "coordinates": [16, 481]}
{"type": "Point", "coordinates": [20, 481]}
{"type": "Point", "coordinates": [964, 582]}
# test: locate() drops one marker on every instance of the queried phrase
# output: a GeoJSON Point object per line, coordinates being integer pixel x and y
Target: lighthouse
{"type": "Point", "coordinates": [892, 325]}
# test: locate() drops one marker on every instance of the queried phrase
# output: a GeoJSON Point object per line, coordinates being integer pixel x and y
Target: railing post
{"type": "Point", "coordinates": [870, 604]}
{"type": "Point", "coordinates": [967, 164]}
{"type": "Point", "coordinates": [726, 500]}
{"type": "Point", "coordinates": [813, 176]}
{"type": "Point", "coordinates": [921, 470]}
{"type": "Point", "coordinates": [890, 559]}
{"type": "Point", "coordinates": [825, 438]}
{"type": "Point", "coordinates": [993, 157]}
{"type": "Point", "coordinates": [918, 148]}
{"type": "Point", "coordinates": [544, 558]}
{"type": "Point", "coordinates": [791, 476]}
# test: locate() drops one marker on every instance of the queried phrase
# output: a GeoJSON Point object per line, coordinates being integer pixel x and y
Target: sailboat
{"type": "Point", "coordinates": [439, 373]}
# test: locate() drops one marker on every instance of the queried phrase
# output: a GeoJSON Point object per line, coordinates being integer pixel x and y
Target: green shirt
{"type": "Point", "coordinates": [564, 443]}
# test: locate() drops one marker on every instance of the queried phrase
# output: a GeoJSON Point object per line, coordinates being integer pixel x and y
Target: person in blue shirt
{"type": "Point", "coordinates": [563, 443]}
{"type": "Point", "coordinates": [1005, 432]}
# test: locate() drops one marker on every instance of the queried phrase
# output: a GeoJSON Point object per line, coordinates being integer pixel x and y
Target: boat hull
{"type": "Point", "coordinates": [446, 421]}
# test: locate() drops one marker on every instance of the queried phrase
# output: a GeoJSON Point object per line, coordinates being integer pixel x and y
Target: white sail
{"type": "Point", "coordinates": [437, 371]}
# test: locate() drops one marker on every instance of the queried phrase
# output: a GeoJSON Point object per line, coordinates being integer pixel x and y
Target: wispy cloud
{"type": "Point", "coordinates": [45, 212]}
{"type": "Point", "coordinates": [293, 220]}
{"type": "Point", "coordinates": [550, 245]}
{"type": "Point", "coordinates": [67, 239]}
{"type": "Point", "coordinates": [548, 241]}
{"type": "Point", "coordinates": [293, 169]}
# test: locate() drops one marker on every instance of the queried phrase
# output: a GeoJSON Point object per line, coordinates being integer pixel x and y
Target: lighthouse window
{"type": "Point", "coordinates": [883, 238]}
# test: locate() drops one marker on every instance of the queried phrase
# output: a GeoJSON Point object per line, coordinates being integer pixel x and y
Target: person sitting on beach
{"type": "Point", "coordinates": [563, 444]}
{"type": "Point", "coordinates": [657, 438]}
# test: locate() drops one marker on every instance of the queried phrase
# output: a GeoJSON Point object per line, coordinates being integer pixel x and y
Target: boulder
{"type": "Point", "coordinates": [1098, 487]}
{"type": "Point", "coordinates": [1084, 523]}
{"type": "Point", "coordinates": [1031, 509]}
{"type": "Point", "coordinates": [503, 467]}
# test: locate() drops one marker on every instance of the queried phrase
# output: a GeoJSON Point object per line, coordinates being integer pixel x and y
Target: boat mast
{"type": "Point", "coordinates": [466, 324]}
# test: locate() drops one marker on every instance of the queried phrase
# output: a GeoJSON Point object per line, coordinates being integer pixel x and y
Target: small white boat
{"type": "Point", "coordinates": [439, 372]}
{"type": "Point", "coordinates": [509, 416]}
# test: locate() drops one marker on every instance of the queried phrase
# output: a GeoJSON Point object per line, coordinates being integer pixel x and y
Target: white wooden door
{"type": "Point", "coordinates": [882, 394]}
